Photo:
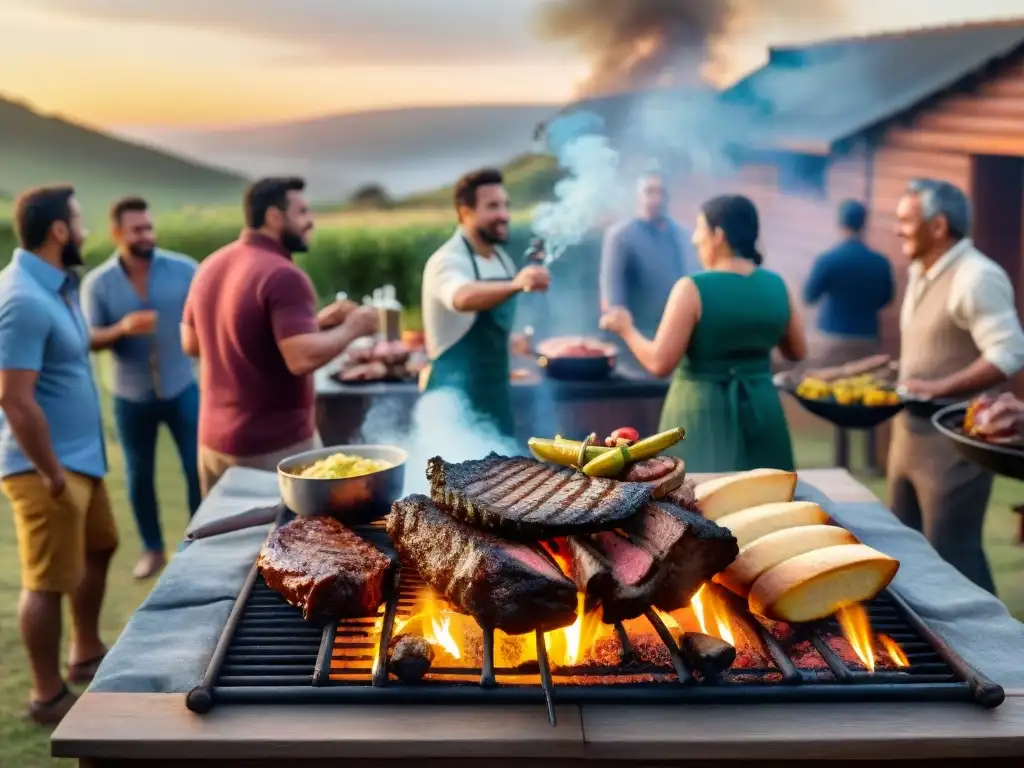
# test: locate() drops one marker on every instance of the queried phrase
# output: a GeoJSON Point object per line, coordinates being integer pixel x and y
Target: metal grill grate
{"type": "Point", "coordinates": [268, 654]}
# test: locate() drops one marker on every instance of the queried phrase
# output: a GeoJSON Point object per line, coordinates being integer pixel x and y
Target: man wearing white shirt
{"type": "Point", "coordinates": [960, 335]}
{"type": "Point", "coordinates": [468, 300]}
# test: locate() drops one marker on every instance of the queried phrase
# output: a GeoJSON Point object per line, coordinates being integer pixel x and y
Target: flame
{"type": "Point", "coordinates": [712, 615]}
{"type": "Point", "coordinates": [667, 619]}
{"type": "Point", "coordinates": [899, 658]}
{"type": "Point", "coordinates": [439, 632]}
{"type": "Point", "coordinates": [856, 626]}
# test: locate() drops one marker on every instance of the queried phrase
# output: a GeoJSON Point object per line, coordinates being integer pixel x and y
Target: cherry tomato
{"type": "Point", "coordinates": [625, 433]}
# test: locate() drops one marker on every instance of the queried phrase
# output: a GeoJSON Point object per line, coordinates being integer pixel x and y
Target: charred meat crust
{"type": "Point", "coordinates": [689, 548]}
{"type": "Point", "coordinates": [502, 584]}
{"type": "Point", "coordinates": [595, 576]}
{"type": "Point", "coordinates": [527, 500]}
{"type": "Point", "coordinates": [321, 567]}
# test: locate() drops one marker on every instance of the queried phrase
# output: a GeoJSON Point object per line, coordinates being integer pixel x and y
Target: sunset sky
{"type": "Point", "coordinates": [232, 62]}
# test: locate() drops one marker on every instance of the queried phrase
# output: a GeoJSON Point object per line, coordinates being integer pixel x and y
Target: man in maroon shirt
{"type": "Point", "coordinates": [251, 318]}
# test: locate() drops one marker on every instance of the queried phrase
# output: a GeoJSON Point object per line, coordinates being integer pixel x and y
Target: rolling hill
{"type": "Point", "coordinates": [38, 149]}
{"type": "Point", "coordinates": [404, 150]}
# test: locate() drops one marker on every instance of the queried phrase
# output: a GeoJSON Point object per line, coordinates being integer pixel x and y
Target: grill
{"type": "Point", "coordinates": [268, 654]}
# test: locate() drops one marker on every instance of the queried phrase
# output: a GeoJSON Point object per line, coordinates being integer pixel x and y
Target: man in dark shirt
{"type": "Point", "coordinates": [853, 284]}
{"type": "Point", "coordinates": [643, 258]}
{"type": "Point", "coordinates": [251, 318]}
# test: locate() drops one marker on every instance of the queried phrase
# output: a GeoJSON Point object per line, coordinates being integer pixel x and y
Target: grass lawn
{"type": "Point", "coordinates": [24, 745]}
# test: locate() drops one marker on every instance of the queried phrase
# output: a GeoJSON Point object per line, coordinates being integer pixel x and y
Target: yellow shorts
{"type": "Point", "coordinates": [54, 535]}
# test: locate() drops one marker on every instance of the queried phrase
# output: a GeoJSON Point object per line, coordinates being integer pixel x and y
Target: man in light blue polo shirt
{"type": "Point", "coordinates": [134, 303]}
{"type": "Point", "coordinates": [52, 457]}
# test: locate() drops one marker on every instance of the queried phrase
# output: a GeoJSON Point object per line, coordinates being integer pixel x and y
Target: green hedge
{"type": "Point", "coordinates": [351, 259]}
{"type": "Point", "coordinates": [357, 259]}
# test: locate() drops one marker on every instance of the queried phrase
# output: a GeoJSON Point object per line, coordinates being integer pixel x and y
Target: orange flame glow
{"type": "Point", "coordinates": [712, 615]}
{"type": "Point", "coordinates": [899, 658]}
{"type": "Point", "coordinates": [856, 626]}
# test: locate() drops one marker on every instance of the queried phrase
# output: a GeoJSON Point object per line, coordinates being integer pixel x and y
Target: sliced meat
{"type": "Point", "coordinates": [321, 567]}
{"type": "Point", "coordinates": [502, 584]}
{"type": "Point", "coordinates": [528, 500]}
{"type": "Point", "coordinates": [649, 469]}
{"type": "Point", "coordinates": [630, 564]}
{"type": "Point", "coordinates": [613, 573]}
{"type": "Point", "coordinates": [663, 473]}
{"type": "Point", "coordinates": [684, 496]}
{"type": "Point", "coordinates": [689, 550]}
{"type": "Point", "coordinates": [371, 371]}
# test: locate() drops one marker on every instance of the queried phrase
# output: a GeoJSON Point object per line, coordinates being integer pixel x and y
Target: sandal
{"type": "Point", "coordinates": [83, 672]}
{"type": "Point", "coordinates": [52, 712]}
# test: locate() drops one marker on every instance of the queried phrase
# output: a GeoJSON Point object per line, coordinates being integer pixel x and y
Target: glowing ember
{"type": "Point", "coordinates": [899, 658]}
{"type": "Point", "coordinates": [712, 615]}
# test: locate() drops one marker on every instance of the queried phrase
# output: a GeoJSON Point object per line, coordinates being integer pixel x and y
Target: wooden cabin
{"type": "Point", "coordinates": [860, 118]}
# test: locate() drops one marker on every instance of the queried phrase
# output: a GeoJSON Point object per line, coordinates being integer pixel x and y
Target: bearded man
{"type": "Point", "coordinates": [52, 454]}
{"type": "Point", "coordinates": [134, 303]}
{"type": "Point", "coordinates": [469, 302]}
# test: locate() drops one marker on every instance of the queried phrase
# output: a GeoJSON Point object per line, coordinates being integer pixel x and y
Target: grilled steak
{"type": "Point", "coordinates": [526, 499]}
{"type": "Point", "coordinates": [614, 573]}
{"type": "Point", "coordinates": [689, 550]}
{"type": "Point", "coordinates": [502, 584]}
{"type": "Point", "coordinates": [323, 568]}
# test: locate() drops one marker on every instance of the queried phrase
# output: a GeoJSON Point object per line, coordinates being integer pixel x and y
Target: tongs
{"type": "Point", "coordinates": [251, 518]}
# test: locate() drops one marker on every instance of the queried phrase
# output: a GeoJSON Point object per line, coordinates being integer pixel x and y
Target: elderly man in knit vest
{"type": "Point", "coordinates": [960, 335]}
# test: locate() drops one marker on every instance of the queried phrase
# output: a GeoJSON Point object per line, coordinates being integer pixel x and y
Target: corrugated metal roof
{"type": "Point", "coordinates": [821, 94]}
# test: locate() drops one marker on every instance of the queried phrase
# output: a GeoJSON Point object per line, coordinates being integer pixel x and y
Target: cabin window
{"type": "Point", "coordinates": [804, 175]}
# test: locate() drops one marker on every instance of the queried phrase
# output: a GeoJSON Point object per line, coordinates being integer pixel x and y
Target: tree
{"type": "Point", "coordinates": [372, 196]}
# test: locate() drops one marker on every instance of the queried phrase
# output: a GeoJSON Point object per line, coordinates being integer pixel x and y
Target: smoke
{"type": "Point", "coordinates": [590, 190]}
{"type": "Point", "coordinates": [639, 44]}
{"type": "Point", "coordinates": [441, 424]}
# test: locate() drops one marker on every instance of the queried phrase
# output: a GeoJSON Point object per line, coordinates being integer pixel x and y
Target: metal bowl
{"type": "Point", "coordinates": [572, 367]}
{"type": "Point", "coordinates": [353, 500]}
{"type": "Point", "coordinates": [1004, 460]}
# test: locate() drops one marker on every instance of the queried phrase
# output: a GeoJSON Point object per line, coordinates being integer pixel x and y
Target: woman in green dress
{"type": "Point", "coordinates": [718, 332]}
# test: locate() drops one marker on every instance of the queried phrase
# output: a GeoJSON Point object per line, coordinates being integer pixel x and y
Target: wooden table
{"type": "Point", "coordinates": [127, 729]}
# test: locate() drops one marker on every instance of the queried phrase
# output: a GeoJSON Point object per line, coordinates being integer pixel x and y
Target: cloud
{"type": "Point", "coordinates": [348, 32]}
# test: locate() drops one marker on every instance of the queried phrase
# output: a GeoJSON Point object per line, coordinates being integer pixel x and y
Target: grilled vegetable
{"type": "Point", "coordinates": [651, 446]}
{"type": "Point", "coordinates": [609, 464]}
{"type": "Point", "coordinates": [563, 452]}
{"type": "Point", "coordinates": [622, 436]}
{"type": "Point", "coordinates": [612, 462]}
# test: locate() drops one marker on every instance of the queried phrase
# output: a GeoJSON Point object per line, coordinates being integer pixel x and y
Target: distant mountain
{"type": "Point", "coordinates": [38, 149]}
{"type": "Point", "coordinates": [404, 150]}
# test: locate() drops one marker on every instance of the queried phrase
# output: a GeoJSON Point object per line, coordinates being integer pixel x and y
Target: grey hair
{"type": "Point", "coordinates": [940, 198]}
